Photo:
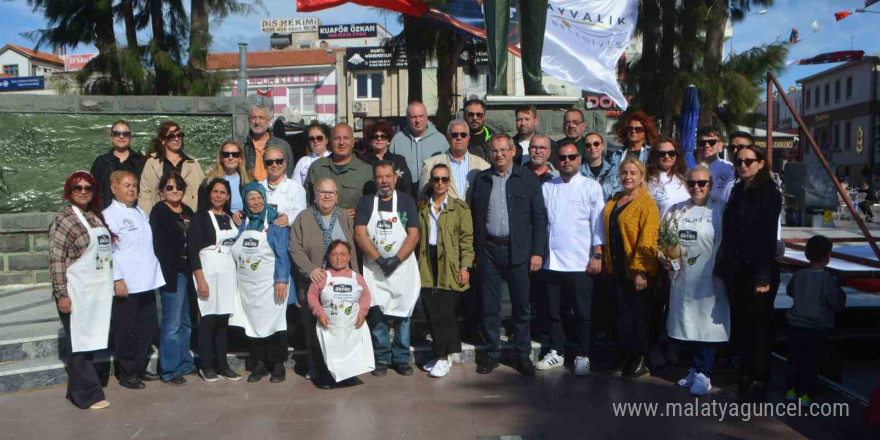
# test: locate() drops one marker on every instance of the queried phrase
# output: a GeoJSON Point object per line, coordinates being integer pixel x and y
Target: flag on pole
{"type": "Point", "coordinates": [267, 93]}
{"type": "Point", "coordinates": [841, 15]}
{"type": "Point", "coordinates": [793, 38]}
{"type": "Point", "coordinates": [409, 7]}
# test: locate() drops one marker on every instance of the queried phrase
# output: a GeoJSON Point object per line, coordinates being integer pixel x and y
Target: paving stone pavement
{"type": "Point", "coordinates": [463, 405]}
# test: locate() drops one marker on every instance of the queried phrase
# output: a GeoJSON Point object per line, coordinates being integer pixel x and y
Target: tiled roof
{"type": "Point", "coordinates": [275, 58]}
{"type": "Point", "coordinates": [30, 53]}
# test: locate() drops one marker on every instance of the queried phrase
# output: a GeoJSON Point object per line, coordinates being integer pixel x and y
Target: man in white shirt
{"type": "Point", "coordinates": [575, 236]}
{"type": "Point", "coordinates": [709, 144]}
{"type": "Point", "coordinates": [463, 166]}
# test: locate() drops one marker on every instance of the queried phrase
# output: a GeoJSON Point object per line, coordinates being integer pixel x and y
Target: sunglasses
{"type": "Point", "coordinates": [176, 135]}
{"type": "Point", "coordinates": [125, 134]}
{"type": "Point", "coordinates": [572, 122]}
{"type": "Point", "coordinates": [380, 137]}
{"type": "Point", "coordinates": [748, 162]}
{"type": "Point", "coordinates": [569, 157]}
{"type": "Point", "coordinates": [443, 179]}
{"type": "Point", "coordinates": [635, 129]}
{"type": "Point", "coordinates": [670, 153]}
{"type": "Point", "coordinates": [474, 114]}
{"type": "Point", "coordinates": [170, 188]}
{"type": "Point", "coordinates": [595, 144]}
{"type": "Point", "coordinates": [738, 147]}
{"type": "Point", "coordinates": [700, 183]}
{"type": "Point", "coordinates": [458, 134]}
{"type": "Point", "coordinates": [710, 142]}
{"type": "Point", "coordinates": [316, 138]}
{"type": "Point", "coordinates": [228, 154]}
{"type": "Point", "coordinates": [270, 162]}
{"type": "Point", "coordinates": [82, 188]}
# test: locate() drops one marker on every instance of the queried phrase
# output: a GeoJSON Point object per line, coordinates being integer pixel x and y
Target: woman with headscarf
{"type": "Point", "coordinates": [82, 285]}
{"type": "Point", "coordinates": [263, 271]}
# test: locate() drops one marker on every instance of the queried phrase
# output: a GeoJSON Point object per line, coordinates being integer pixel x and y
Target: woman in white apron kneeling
{"type": "Point", "coordinates": [340, 304]}
{"type": "Point", "coordinates": [698, 308]}
{"type": "Point", "coordinates": [263, 271]}
{"type": "Point", "coordinates": [81, 269]}
{"type": "Point", "coordinates": [210, 238]}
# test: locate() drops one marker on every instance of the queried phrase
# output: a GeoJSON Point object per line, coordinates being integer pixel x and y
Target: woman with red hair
{"type": "Point", "coordinates": [378, 138]}
{"type": "Point", "coordinates": [81, 270]}
{"type": "Point", "coordinates": [637, 133]}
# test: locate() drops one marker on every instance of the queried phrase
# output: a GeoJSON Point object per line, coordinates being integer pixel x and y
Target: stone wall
{"type": "Point", "coordinates": [24, 248]}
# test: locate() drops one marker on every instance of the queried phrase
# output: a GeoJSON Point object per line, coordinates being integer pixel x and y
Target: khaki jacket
{"type": "Point", "coordinates": [149, 187]}
{"type": "Point", "coordinates": [475, 165]}
{"type": "Point", "coordinates": [455, 244]}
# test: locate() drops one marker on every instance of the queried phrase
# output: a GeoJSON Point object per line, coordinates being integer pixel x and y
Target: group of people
{"type": "Point", "coordinates": [335, 241]}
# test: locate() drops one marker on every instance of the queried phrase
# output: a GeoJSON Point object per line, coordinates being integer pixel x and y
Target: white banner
{"type": "Point", "coordinates": [585, 39]}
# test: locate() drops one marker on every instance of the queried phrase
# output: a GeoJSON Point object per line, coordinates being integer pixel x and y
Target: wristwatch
{"type": "Point", "coordinates": [598, 256]}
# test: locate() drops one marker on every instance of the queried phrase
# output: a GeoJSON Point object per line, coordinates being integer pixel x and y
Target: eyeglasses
{"type": "Point", "coordinates": [568, 157]}
{"type": "Point", "coordinates": [82, 188]}
{"type": "Point", "coordinates": [270, 162]}
{"type": "Point", "coordinates": [125, 134]}
{"type": "Point", "coordinates": [635, 129]}
{"type": "Point", "coordinates": [327, 194]}
{"type": "Point", "coordinates": [170, 188]}
{"type": "Point", "coordinates": [710, 142]}
{"type": "Point", "coordinates": [595, 144]}
{"type": "Point", "coordinates": [458, 134]}
{"type": "Point", "coordinates": [737, 147]}
{"type": "Point", "coordinates": [700, 183]}
{"type": "Point", "coordinates": [175, 135]}
{"type": "Point", "coordinates": [316, 138]}
{"type": "Point", "coordinates": [474, 114]}
{"type": "Point", "coordinates": [444, 179]}
{"type": "Point", "coordinates": [538, 147]}
{"type": "Point", "coordinates": [380, 137]}
{"type": "Point", "coordinates": [228, 154]}
{"type": "Point", "coordinates": [572, 122]}
{"type": "Point", "coordinates": [499, 151]}
{"type": "Point", "coordinates": [748, 162]}
{"type": "Point", "coordinates": [670, 153]}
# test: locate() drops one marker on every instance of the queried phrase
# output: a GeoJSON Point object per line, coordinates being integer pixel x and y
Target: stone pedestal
{"type": "Point", "coordinates": [500, 115]}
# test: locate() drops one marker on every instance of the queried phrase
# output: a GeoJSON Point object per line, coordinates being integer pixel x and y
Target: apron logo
{"type": "Point", "coordinates": [128, 225]}
{"type": "Point", "coordinates": [342, 288]}
{"type": "Point", "coordinates": [103, 239]}
{"type": "Point", "coordinates": [687, 235]}
{"type": "Point", "coordinates": [250, 242]}
{"type": "Point", "coordinates": [228, 242]}
{"type": "Point", "coordinates": [384, 225]}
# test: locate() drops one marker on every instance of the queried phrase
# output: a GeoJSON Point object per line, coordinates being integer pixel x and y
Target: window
{"type": "Point", "coordinates": [369, 85]}
{"type": "Point", "coordinates": [827, 93]}
{"type": "Point", "coordinates": [808, 99]}
{"type": "Point", "coordinates": [835, 140]}
{"type": "Point", "coordinates": [847, 136]}
{"type": "Point", "coordinates": [302, 99]}
{"type": "Point", "coordinates": [848, 88]}
{"type": "Point", "coordinates": [837, 91]}
{"type": "Point", "coordinates": [10, 69]}
{"type": "Point", "coordinates": [816, 96]}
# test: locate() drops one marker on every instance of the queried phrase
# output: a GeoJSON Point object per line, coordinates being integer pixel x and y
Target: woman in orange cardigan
{"type": "Point", "coordinates": [631, 224]}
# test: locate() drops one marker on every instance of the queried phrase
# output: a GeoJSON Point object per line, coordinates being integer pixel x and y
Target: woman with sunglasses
{"type": "Point", "coordinates": [379, 137]}
{"type": "Point", "coordinates": [82, 285]}
{"type": "Point", "coordinates": [166, 155]}
{"type": "Point", "coordinates": [631, 222]}
{"type": "Point", "coordinates": [666, 170]}
{"type": "Point", "coordinates": [699, 314]}
{"type": "Point", "coordinates": [120, 157]}
{"type": "Point", "coordinates": [210, 237]}
{"type": "Point", "coordinates": [229, 166]}
{"type": "Point", "coordinates": [746, 262]}
{"type": "Point", "coordinates": [170, 219]}
{"type": "Point", "coordinates": [637, 133]}
{"type": "Point", "coordinates": [446, 254]}
{"type": "Point", "coordinates": [318, 135]}
{"type": "Point", "coordinates": [137, 274]}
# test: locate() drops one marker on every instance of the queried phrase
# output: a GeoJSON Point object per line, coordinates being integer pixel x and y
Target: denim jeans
{"type": "Point", "coordinates": [174, 355]}
{"type": "Point", "coordinates": [384, 350]}
{"type": "Point", "coordinates": [704, 356]}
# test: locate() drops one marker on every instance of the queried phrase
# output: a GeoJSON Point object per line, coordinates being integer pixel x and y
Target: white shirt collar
{"type": "Point", "coordinates": [121, 205]}
{"type": "Point", "coordinates": [315, 156]}
{"type": "Point", "coordinates": [442, 205]}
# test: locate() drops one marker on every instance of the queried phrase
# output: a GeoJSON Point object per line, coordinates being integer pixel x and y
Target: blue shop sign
{"type": "Point", "coordinates": [22, 83]}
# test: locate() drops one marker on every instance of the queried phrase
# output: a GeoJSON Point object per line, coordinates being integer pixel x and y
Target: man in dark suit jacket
{"type": "Point", "coordinates": [510, 239]}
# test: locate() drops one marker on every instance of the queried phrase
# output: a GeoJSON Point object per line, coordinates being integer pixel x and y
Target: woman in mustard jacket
{"type": "Point", "coordinates": [631, 224]}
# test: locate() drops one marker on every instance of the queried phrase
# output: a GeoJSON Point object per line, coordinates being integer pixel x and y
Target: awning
{"type": "Point", "coordinates": [780, 139]}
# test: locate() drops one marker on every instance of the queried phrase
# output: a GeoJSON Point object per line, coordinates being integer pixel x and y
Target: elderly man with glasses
{"type": "Point", "coordinates": [259, 138]}
{"type": "Point", "coordinates": [538, 159]}
{"type": "Point", "coordinates": [463, 166]}
{"type": "Point", "coordinates": [574, 125]}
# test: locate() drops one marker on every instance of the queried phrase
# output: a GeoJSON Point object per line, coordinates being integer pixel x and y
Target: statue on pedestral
{"type": "Point", "coordinates": [533, 20]}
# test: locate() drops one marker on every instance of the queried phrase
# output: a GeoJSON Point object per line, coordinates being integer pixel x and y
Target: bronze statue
{"type": "Point", "coordinates": [533, 20]}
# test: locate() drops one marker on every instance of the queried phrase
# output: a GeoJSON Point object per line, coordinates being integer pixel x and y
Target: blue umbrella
{"type": "Point", "coordinates": [687, 128]}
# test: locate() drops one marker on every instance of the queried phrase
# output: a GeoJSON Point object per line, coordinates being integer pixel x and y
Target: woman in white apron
{"type": "Point", "coordinates": [387, 237]}
{"type": "Point", "coordinates": [340, 304]}
{"type": "Point", "coordinates": [698, 308]}
{"type": "Point", "coordinates": [263, 271]}
{"type": "Point", "coordinates": [210, 238]}
{"type": "Point", "coordinates": [81, 269]}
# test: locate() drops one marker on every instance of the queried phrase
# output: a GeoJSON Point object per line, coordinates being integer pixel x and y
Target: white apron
{"type": "Point", "coordinates": [218, 267]}
{"type": "Point", "coordinates": [698, 306]}
{"type": "Point", "coordinates": [255, 308]}
{"type": "Point", "coordinates": [279, 200]}
{"type": "Point", "coordinates": [90, 288]}
{"type": "Point", "coordinates": [348, 351]}
{"type": "Point", "coordinates": [395, 295]}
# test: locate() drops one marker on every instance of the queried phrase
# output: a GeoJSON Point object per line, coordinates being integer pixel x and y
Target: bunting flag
{"type": "Point", "coordinates": [830, 57]}
{"type": "Point", "coordinates": [841, 15]}
{"type": "Point", "coordinates": [815, 26]}
{"type": "Point", "coordinates": [409, 7]}
{"type": "Point", "coordinates": [793, 38]}
{"type": "Point", "coordinates": [267, 93]}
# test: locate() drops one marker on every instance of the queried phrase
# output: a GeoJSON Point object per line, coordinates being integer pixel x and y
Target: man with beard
{"type": "Point", "coordinates": [574, 126]}
{"type": "Point", "coordinates": [475, 115]}
{"type": "Point", "coordinates": [538, 158]}
{"type": "Point", "coordinates": [259, 138]}
{"type": "Point", "coordinates": [526, 128]}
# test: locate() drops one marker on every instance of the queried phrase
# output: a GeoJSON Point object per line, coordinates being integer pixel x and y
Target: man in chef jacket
{"type": "Point", "coordinates": [387, 232]}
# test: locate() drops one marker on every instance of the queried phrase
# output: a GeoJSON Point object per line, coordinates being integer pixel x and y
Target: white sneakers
{"type": "Point", "coordinates": [688, 381]}
{"type": "Point", "coordinates": [581, 366]}
{"type": "Point", "coordinates": [430, 365]}
{"type": "Point", "coordinates": [701, 385]}
{"type": "Point", "coordinates": [551, 360]}
{"type": "Point", "coordinates": [440, 368]}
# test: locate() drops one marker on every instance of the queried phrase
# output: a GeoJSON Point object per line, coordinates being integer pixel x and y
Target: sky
{"type": "Point", "coordinates": [859, 31]}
